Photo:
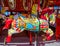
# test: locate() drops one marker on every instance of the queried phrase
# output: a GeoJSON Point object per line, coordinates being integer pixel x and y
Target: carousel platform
{"type": "Point", "coordinates": [46, 43]}
{"type": "Point", "coordinates": [24, 41]}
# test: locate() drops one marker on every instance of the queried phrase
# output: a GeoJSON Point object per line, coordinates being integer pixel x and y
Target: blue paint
{"type": "Point", "coordinates": [0, 8]}
{"type": "Point", "coordinates": [29, 26]}
{"type": "Point", "coordinates": [7, 13]}
{"type": "Point", "coordinates": [56, 7]}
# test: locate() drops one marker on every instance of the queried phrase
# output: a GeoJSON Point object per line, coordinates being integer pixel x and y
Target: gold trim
{"type": "Point", "coordinates": [26, 7]}
{"type": "Point", "coordinates": [12, 4]}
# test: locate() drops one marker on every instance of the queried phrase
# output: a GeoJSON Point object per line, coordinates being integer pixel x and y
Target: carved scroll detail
{"type": "Point", "coordinates": [12, 4]}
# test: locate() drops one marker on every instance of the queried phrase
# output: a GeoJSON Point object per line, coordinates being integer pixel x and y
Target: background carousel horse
{"type": "Point", "coordinates": [31, 24]}
{"type": "Point", "coordinates": [48, 15]}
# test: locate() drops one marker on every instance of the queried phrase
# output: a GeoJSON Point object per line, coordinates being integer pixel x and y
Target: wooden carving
{"type": "Point", "coordinates": [12, 4]}
{"type": "Point", "coordinates": [27, 4]}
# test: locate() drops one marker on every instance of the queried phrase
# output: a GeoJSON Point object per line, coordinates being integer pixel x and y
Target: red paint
{"type": "Point", "coordinates": [57, 2]}
{"type": "Point", "coordinates": [30, 35]}
{"type": "Point", "coordinates": [7, 24]}
{"type": "Point", "coordinates": [19, 5]}
{"type": "Point", "coordinates": [8, 39]}
{"type": "Point", "coordinates": [30, 38]}
{"type": "Point", "coordinates": [0, 2]}
{"type": "Point", "coordinates": [57, 28]}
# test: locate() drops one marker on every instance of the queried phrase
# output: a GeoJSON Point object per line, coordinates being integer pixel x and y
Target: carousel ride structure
{"type": "Point", "coordinates": [32, 24]}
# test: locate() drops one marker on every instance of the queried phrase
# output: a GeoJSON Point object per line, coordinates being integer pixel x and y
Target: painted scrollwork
{"type": "Point", "coordinates": [42, 3]}
{"type": "Point", "coordinates": [12, 4]}
{"type": "Point", "coordinates": [25, 4]}
{"type": "Point", "coordinates": [2, 2]}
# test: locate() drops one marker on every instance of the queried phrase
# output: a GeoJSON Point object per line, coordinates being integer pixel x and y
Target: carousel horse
{"type": "Point", "coordinates": [31, 24]}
